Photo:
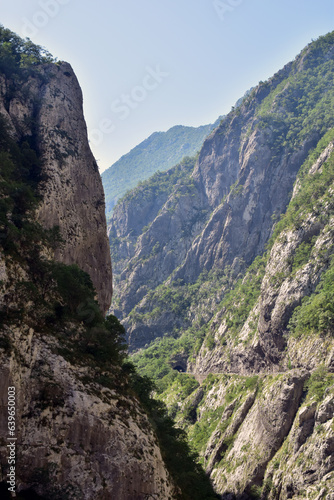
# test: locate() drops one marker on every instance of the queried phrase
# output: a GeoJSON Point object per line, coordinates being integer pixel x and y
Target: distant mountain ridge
{"type": "Point", "coordinates": [160, 151]}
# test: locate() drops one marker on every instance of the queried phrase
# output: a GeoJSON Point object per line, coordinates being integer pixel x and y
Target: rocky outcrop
{"type": "Point", "coordinates": [217, 444]}
{"type": "Point", "coordinates": [48, 109]}
{"type": "Point", "coordinates": [145, 235]}
{"type": "Point", "coordinates": [75, 439]}
{"type": "Point", "coordinates": [261, 434]}
{"type": "Point", "coordinates": [271, 437]}
{"type": "Point", "coordinates": [80, 432]}
{"type": "Point", "coordinates": [304, 468]}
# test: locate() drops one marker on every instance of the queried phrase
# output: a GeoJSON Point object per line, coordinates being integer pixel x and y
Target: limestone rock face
{"type": "Point", "coordinates": [268, 440]}
{"type": "Point", "coordinates": [48, 107]}
{"type": "Point", "coordinates": [75, 440]}
{"type": "Point", "coordinates": [263, 429]}
{"type": "Point", "coordinates": [270, 349]}
{"type": "Point", "coordinates": [306, 468]}
{"type": "Point", "coordinates": [81, 434]}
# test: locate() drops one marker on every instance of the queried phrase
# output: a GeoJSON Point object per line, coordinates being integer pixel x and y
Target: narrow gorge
{"type": "Point", "coordinates": [210, 373]}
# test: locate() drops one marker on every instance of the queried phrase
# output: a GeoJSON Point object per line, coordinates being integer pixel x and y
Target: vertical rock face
{"type": "Point", "coordinates": [81, 431]}
{"type": "Point", "coordinates": [48, 107]}
{"type": "Point", "coordinates": [76, 440]}
{"type": "Point", "coordinates": [284, 286]}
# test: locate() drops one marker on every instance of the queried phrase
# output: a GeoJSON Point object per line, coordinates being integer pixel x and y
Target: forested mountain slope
{"type": "Point", "coordinates": [220, 216]}
{"type": "Point", "coordinates": [159, 152]}
{"type": "Point", "coordinates": [231, 279]}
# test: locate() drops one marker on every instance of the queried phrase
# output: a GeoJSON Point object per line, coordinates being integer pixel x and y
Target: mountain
{"type": "Point", "coordinates": [158, 152]}
{"type": "Point", "coordinates": [223, 268]}
{"type": "Point", "coordinates": [77, 421]}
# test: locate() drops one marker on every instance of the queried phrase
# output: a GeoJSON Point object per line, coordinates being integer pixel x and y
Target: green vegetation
{"type": "Point", "coordinates": [180, 461]}
{"type": "Point", "coordinates": [318, 383]}
{"type": "Point", "coordinates": [238, 303]}
{"type": "Point", "coordinates": [18, 57]}
{"type": "Point", "coordinates": [177, 390]}
{"type": "Point", "coordinates": [237, 387]}
{"type": "Point", "coordinates": [314, 195]}
{"type": "Point", "coordinates": [201, 431]}
{"type": "Point", "coordinates": [162, 182]}
{"type": "Point", "coordinates": [155, 360]}
{"type": "Point", "coordinates": [302, 255]}
{"type": "Point", "coordinates": [196, 430]}
{"type": "Point", "coordinates": [236, 189]}
{"type": "Point", "coordinates": [301, 106]}
{"type": "Point", "coordinates": [193, 323]}
{"type": "Point", "coordinates": [160, 152]}
{"type": "Point", "coordinates": [19, 178]}
{"type": "Point", "coordinates": [316, 312]}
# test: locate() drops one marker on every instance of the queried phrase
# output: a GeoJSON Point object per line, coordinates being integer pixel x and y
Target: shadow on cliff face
{"type": "Point", "coordinates": [241, 496]}
{"type": "Point", "coordinates": [23, 495]}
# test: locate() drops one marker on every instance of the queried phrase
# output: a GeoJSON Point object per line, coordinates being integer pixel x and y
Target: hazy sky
{"type": "Point", "coordinates": [146, 65]}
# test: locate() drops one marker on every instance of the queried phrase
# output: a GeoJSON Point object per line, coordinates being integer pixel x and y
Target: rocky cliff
{"type": "Point", "coordinates": [234, 273]}
{"type": "Point", "coordinates": [221, 217]}
{"type": "Point", "coordinates": [48, 107]}
{"type": "Point", "coordinates": [76, 438]}
{"type": "Point", "coordinates": [77, 429]}
{"type": "Point", "coordinates": [298, 261]}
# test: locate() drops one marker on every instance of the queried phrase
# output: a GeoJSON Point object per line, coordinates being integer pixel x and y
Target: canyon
{"type": "Point", "coordinates": [223, 278]}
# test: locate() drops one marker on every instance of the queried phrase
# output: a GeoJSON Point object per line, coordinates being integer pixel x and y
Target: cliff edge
{"type": "Point", "coordinates": [47, 107]}
{"type": "Point", "coordinates": [67, 406]}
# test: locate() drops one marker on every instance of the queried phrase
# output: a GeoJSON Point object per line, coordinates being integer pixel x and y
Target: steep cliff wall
{"type": "Point", "coordinates": [80, 431]}
{"type": "Point", "coordinates": [262, 420]}
{"type": "Point", "coordinates": [297, 262]}
{"type": "Point", "coordinates": [47, 106]}
{"type": "Point", "coordinates": [75, 437]}
{"type": "Point", "coordinates": [221, 217]}
{"type": "Point", "coordinates": [247, 303]}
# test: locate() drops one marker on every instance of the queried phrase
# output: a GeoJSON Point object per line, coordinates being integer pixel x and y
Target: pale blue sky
{"type": "Point", "coordinates": [146, 65]}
